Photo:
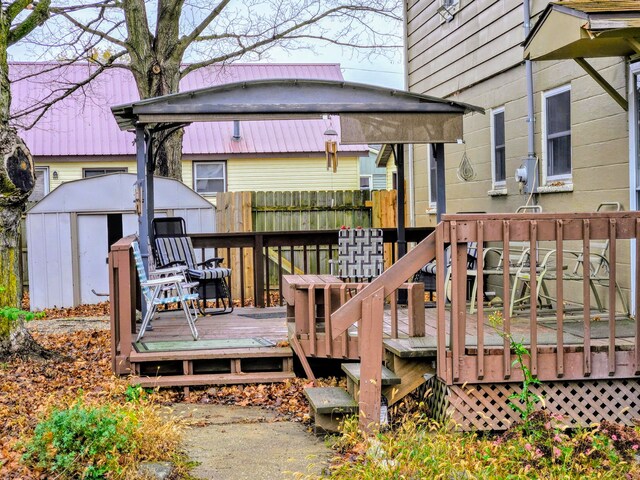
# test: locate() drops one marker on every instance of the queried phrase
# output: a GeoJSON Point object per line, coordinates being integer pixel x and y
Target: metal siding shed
{"type": "Point", "coordinates": [67, 233]}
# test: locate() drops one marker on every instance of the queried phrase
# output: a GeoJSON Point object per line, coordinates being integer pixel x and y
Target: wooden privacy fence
{"type": "Point", "coordinates": [297, 211]}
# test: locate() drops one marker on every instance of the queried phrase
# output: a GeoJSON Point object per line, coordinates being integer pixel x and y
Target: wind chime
{"type": "Point", "coordinates": [331, 148]}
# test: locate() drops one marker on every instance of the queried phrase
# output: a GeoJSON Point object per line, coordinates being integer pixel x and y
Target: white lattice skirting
{"type": "Point", "coordinates": [581, 403]}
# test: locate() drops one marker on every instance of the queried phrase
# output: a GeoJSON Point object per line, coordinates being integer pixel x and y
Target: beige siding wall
{"type": "Point", "coordinates": [477, 58]}
{"type": "Point", "coordinates": [482, 48]}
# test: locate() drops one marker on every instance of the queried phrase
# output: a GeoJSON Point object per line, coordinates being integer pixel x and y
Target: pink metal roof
{"type": "Point", "coordinates": [82, 124]}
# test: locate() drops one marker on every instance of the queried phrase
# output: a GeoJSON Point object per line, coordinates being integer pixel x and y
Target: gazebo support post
{"type": "Point", "coordinates": [149, 199]}
{"type": "Point", "coordinates": [441, 192]}
{"type": "Point", "coordinates": [143, 217]}
{"type": "Point", "coordinates": [402, 238]}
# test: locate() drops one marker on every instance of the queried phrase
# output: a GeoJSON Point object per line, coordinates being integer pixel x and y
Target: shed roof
{"type": "Point", "coordinates": [82, 124]}
{"type": "Point", "coordinates": [115, 193]}
{"type": "Point", "coordinates": [585, 29]}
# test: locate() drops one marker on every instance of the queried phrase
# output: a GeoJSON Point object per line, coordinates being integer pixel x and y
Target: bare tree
{"type": "Point", "coordinates": [162, 41]}
{"type": "Point", "coordinates": [17, 179]}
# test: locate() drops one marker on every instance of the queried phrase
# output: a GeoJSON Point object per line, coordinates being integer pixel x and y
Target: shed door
{"type": "Point", "coordinates": [92, 252]}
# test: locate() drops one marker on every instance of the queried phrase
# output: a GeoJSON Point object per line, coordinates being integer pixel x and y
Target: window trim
{"type": "Point", "coordinates": [497, 185]}
{"type": "Point", "coordinates": [546, 178]}
{"type": "Point", "coordinates": [195, 177]}
{"type": "Point", "coordinates": [107, 170]}
{"type": "Point", "coordinates": [370, 177]}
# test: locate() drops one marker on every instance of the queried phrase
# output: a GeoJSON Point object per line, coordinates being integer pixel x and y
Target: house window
{"type": "Point", "coordinates": [41, 187]}
{"type": "Point", "coordinates": [93, 172]}
{"type": "Point", "coordinates": [366, 182]}
{"type": "Point", "coordinates": [556, 112]}
{"type": "Point", "coordinates": [433, 177]}
{"type": "Point", "coordinates": [209, 177]}
{"type": "Point", "coordinates": [498, 158]}
{"type": "Point", "coordinates": [394, 180]}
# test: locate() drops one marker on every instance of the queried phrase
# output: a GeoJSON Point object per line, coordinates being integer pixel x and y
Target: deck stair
{"type": "Point", "coordinates": [408, 362]}
{"type": "Point", "coordinates": [329, 405]}
{"type": "Point", "coordinates": [212, 367]}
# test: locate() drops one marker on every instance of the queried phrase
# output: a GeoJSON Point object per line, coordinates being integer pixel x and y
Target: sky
{"type": "Point", "coordinates": [377, 70]}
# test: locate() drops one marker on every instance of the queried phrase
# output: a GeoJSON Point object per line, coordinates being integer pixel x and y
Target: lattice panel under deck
{"type": "Point", "coordinates": [485, 407]}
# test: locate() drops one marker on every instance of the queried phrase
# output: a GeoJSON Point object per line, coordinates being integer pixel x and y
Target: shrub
{"type": "Point", "coordinates": [98, 441]}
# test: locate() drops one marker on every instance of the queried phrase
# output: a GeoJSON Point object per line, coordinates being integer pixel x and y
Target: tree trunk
{"type": "Point", "coordinates": [154, 79]}
{"type": "Point", "coordinates": [17, 180]}
{"type": "Point", "coordinates": [17, 342]}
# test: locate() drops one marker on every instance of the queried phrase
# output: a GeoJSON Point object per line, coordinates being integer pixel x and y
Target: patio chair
{"type": "Point", "coordinates": [360, 254]}
{"type": "Point", "coordinates": [172, 287]}
{"type": "Point", "coordinates": [494, 263]}
{"type": "Point", "coordinates": [174, 248]}
{"type": "Point", "coordinates": [427, 274]}
{"type": "Point", "coordinates": [573, 270]}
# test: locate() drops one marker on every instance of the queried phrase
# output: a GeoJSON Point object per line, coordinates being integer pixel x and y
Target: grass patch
{"type": "Point", "coordinates": [106, 439]}
{"type": "Point", "coordinates": [420, 448]}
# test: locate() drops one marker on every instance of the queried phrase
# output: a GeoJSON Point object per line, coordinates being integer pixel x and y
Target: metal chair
{"type": "Point", "coordinates": [173, 247]}
{"type": "Point", "coordinates": [153, 290]}
{"type": "Point", "coordinates": [360, 254]}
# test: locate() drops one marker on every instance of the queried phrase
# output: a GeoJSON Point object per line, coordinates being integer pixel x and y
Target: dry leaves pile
{"type": "Point", "coordinates": [29, 388]}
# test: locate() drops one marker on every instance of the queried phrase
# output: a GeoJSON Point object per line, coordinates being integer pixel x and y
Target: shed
{"type": "Point", "coordinates": [69, 233]}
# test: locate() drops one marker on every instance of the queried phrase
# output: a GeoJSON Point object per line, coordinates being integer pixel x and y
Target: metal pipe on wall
{"type": "Point", "coordinates": [529, 77]}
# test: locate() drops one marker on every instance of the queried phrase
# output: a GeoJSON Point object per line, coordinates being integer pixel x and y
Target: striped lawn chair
{"type": "Point", "coordinates": [163, 291]}
{"type": "Point", "coordinates": [213, 281]}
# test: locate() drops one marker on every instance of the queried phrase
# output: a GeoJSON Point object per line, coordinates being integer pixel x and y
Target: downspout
{"type": "Point", "coordinates": [412, 207]}
{"type": "Point", "coordinates": [531, 154]}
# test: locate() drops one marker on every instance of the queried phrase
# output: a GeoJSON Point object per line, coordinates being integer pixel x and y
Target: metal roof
{"type": "Point", "coordinates": [585, 29]}
{"type": "Point", "coordinates": [281, 98]}
{"type": "Point", "coordinates": [82, 125]}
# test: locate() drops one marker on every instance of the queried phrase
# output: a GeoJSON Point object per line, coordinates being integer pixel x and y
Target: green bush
{"type": "Point", "coordinates": [82, 441]}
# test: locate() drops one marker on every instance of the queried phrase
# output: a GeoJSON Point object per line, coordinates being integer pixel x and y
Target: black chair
{"type": "Point", "coordinates": [173, 247]}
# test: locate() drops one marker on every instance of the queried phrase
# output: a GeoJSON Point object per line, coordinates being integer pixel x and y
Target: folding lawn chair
{"type": "Point", "coordinates": [174, 248]}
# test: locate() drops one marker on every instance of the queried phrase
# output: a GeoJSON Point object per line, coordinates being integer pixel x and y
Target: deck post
{"type": "Point", "coordinates": [371, 356]}
{"type": "Point", "coordinates": [258, 266]}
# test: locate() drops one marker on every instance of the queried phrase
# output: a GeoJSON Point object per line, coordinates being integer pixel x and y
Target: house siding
{"type": "Point", "coordinates": [477, 58]}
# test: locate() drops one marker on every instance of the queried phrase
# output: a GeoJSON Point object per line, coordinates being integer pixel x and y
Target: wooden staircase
{"type": "Point", "coordinates": [212, 367]}
{"type": "Point", "coordinates": [407, 362]}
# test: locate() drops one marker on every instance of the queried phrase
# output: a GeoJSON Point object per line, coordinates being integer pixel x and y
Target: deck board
{"type": "Point", "coordinates": [271, 323]}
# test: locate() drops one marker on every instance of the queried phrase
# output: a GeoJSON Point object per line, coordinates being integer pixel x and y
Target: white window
{"type": "Point", "coordinates": [433, 177]}
{"type": "Point", "coordinates": [209, 177]}
{"type": "Point", "coordinates": [556, 134]}
{"type": "Point", "coordinates": [366, 182]}
{"type": "Point", "coordinates": [498, 152]}
{"type": "Point", "coordinates": [94, 172]}
{"type": "Point", "coordinates": [41, 187]}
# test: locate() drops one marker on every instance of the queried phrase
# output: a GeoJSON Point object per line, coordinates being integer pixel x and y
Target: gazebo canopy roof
{"type": "Point", "coordinates": [399, 116]}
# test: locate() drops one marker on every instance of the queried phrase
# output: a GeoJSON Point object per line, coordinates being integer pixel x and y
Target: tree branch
{"type": "Point", "coordinates": [93, 31]}
{"type": "Point", "coordinates": [44, 106]}
{"type": "Point", "coordinates": [35, 19]}
{"type": "Point", "coordinates": [186, 40]}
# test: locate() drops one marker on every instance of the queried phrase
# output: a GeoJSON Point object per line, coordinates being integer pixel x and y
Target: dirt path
{"type": "Point", "coordinates": [238, 443]}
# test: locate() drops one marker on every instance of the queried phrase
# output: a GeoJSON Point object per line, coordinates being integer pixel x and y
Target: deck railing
{"type": "Point", "coordinates": [261, 258]}
{"type": "Point", "coordinates": [561, 252]}
{"type": "Point", "coordinates": [320, 300]}
{"type": "Point", "coordinates": [123, 299]}
{"type": "Point", "coordinates": [462, 354]}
